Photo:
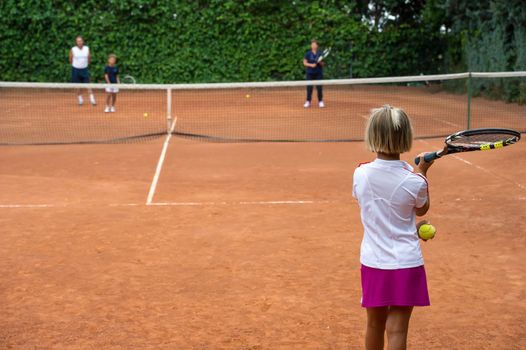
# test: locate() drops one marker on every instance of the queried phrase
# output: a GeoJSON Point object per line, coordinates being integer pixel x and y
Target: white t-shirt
{"type": "Point", "coordinates": [80, 57]}
{"type": "Point", "coordinates": [388, 192]}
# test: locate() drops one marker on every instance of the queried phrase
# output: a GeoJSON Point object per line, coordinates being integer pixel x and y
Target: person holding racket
{"type": "Point", "coordinates": [391, 196]}
{"type": "Point", "coordinates": [80, 58]}
{"type": "Point", "coordinates": [313, 62]}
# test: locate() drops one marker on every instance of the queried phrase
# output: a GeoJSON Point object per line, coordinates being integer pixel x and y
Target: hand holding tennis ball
{"type": "Point", "coordinates": [426, 230]}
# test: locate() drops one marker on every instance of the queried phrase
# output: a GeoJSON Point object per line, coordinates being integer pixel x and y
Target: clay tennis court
{"type": "Point", "coordinates": [246, 245]}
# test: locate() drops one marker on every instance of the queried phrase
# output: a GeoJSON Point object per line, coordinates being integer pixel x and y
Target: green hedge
{"type": "Point", "coordinates": [489, 36]}
{"type": "Point", "coordinates": [164, 41]}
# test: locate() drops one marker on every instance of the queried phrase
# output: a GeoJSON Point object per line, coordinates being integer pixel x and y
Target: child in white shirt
{"type": "Point", "coordinates": [390, 196]}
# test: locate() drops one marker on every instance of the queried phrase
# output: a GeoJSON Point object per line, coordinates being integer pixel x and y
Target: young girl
{"type": "Point", "coordinates": [390, 196]}
{"type": "Point", "coordinates": [111, 74]}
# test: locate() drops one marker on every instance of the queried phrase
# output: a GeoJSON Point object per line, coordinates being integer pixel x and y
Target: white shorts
{"type": "Point", "coordinates": [112, 90]}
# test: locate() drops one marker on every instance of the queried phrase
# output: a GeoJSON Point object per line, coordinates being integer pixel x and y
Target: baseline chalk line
{"type": "Point", "coordinates": [208, 204]}
{"type": "Point", "coordinates": [30, 206]}
{"type": "Point", "coordinates": [278, 202]}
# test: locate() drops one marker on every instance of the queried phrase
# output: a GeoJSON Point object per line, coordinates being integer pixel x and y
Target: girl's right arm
{"type": "Point", "coordinates": [423, 167]}
{"type": "Point", "coordinates": [107, 78]}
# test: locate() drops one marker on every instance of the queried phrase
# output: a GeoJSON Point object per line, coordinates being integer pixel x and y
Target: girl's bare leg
{"type": "Point", "coordinates": [397, 326]}
{"type": "Point", "coordinates": [113, 99]}
{"type": "Point", "coordinates": [376, 322]}
{"type": "Point", "coordinates": [108, 99]}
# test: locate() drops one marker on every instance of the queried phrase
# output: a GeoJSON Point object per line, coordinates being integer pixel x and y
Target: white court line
{"type": "Point", "coordinates": [492, 173]}
{"type": "Point", "coordinates": [155, 180]}
{"type": "Point", "coordinates": [284, 202]}
{"type": "Point", "coordinates": [206, 204]}
{"type": "Point", "coordinates": [30, 205]}
{"type": "Point", "coordinates": [445, 122]}
{"type": "Point", "coordinates": [174, 204]}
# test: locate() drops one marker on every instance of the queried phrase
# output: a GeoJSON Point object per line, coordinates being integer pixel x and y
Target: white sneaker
{"type": "Point", "coordinates": [307, 104]}
{"type": "Point", "coordinates": [112, 109]}
{"type": "Point", "coordinates": [107, 109]}
{"type": "Point", "coordinates": [321, 104]}
{"type": "Point", "coordinates": [92, 100]}
{"type": "Point", "coordinates": [81, 100]}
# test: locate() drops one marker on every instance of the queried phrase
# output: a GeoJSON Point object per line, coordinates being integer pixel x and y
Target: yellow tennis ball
{"type": "Point", "coordinates": [427, 231]}
{"type": "Point", "coordinates": [145, 115]}
{"type": "Point", "coordinates": [247, 96]}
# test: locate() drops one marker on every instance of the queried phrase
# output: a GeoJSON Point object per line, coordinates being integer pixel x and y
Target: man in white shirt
{"type": "Point", "coordinates": [80, 58]}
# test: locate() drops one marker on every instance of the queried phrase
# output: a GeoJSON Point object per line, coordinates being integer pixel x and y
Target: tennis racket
{"type": "Point", "coordinates": [128, 79]}
{"type": "Point", "coordinates": [474, 140]}
{"type": "Point", "coordinates": [324, 55]}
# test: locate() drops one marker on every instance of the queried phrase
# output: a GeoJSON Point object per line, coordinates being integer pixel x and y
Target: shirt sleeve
{"type": "Point", "coordinates": [355, 181]}
{"type": "Point", "coordinates": [422, 195]}
{"type": "Point", "coordinates": [306, 55]}
{"type": "Point", "coordinates": [106, 70]}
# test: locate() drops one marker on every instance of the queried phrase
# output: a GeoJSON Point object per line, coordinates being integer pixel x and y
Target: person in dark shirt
{"type": "Point", "coordinates": [314, 71]}
{"type": "Point", "coordinates": [111, 75]}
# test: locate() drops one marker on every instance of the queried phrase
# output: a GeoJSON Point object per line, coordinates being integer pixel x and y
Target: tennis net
{"type": "Point", "coordinates": [49, 113]}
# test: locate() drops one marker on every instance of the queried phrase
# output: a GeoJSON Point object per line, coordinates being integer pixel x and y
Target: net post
{"type": "Point", "coordinates": [469, 102]}
{"type": "Point", "coordinates": [168, 110]}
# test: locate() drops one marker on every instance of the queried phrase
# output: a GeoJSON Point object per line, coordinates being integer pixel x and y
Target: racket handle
{"type": "Point", "coordinates": [428, 157]}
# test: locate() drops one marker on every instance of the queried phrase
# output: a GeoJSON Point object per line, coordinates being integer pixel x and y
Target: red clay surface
{"type": "Point", "coordinates": [85, 274]}
{"type": "Point", "coordinates": [224, 259]}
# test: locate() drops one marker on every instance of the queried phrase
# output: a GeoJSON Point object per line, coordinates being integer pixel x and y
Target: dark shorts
{"type": "Point", "coordinates": [79, 75]}
{"type": "Point", "coordinates": [314, 75]}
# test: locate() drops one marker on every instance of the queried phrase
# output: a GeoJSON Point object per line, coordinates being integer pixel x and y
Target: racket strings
{"type": "Point", "coordinates": [481, 139]}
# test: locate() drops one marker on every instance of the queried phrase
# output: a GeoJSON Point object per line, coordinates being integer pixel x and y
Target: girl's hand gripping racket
{"type": "Point", "coordinates": [474, 140]}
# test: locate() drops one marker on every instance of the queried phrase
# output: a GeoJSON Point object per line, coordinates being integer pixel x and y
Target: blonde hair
{"type": "Point", "coordinates": [112, 55]}
{"type": "Point", "coordinates": [388, 131]}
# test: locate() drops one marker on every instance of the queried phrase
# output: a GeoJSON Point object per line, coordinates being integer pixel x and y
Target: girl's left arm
{"type": "Point", "coordinates": [423, 210]}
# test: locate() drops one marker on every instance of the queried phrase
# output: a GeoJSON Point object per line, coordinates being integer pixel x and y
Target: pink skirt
{"type": "Point", "coordinates": [401, 287]}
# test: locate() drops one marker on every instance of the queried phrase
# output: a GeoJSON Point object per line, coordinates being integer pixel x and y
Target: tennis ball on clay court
{"type": "Point", "coordinates": [247, 96]}
{"type": "Point", "coordinates": [427, 231]}
{"type": "Point", "coordinates": [145, 115]}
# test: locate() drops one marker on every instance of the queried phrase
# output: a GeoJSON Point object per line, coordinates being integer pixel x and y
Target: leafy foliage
{"type": "Point", "coordinates": [485, 36]}
{"type": "Point", "coordinates": [168, 41]}
{"type": "Point", "coordinates": [174, 41]}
